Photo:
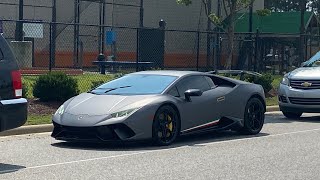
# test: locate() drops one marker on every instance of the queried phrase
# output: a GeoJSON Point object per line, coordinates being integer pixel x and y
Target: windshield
{"type": "Point", "coordinates": [313, 62]}
{"type": "Point", "coordinates": [138, 84]}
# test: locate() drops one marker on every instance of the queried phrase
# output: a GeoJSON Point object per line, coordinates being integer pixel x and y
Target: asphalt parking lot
{"type": "Point", "coordinates": [285, 149]}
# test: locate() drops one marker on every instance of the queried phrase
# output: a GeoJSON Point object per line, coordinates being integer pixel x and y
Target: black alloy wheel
{"type": "Point", "coordinates": [253, 117]}
{"type": "Point", "coordinates": [166, 126]}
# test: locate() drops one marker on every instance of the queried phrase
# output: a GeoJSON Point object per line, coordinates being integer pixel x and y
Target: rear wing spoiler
{"type": "Point", "coordinates": [236, 72]}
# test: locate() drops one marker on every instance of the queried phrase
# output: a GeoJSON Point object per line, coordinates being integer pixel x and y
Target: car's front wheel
{"type": "Point", "coordinates": [292, 115]}
{"type": "Point", "coordinates": [253, 117]}
{"type": "Point", "coordinates": [166, 126]}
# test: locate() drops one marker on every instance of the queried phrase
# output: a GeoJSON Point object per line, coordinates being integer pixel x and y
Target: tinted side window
{"type": "Point", "coordinates": [210, 81]}
{"type": "Point", "coordinates": [174, 92]}
{"type": "Point", "coordinates": [193, 82]}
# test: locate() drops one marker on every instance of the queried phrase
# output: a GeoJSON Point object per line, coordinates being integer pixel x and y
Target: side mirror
{"type": "Point", "coordinates": [192, 92]}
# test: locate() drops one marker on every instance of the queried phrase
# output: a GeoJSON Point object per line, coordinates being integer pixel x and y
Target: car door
{"type": "Point", "coordinates": [201, 110]}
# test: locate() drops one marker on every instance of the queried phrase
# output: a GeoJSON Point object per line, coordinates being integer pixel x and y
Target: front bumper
{"type": "Point", "coordinates": [13, 113]}
{"type": "Point", "coordinates": [116, 132]}
{"type": "Point", "coordinates": [298, 100]}
{"type": "Point", "coordinates": [135, 127]}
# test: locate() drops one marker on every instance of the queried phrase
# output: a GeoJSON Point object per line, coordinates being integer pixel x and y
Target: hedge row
{"type": "Point", "coordinates": [57, 86]}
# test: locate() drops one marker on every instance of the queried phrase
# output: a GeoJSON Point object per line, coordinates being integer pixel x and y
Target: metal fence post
{"type": "Point", "coordinates": [256, 52]}
{"type": "Point", "coordinates": [76, 32]}
{"type": "Point", "coordinates": [250, 63]}
{"type": "Point", "coordinates": [310, 49]}
{"type": "Point", "coordinates": [138, 50]}
{"type": "Point", "coordinates": [19, 24]}
{"type": "Point", "coordinates": [306, 46]}
{"type": "Point", "coordinates": [198, 49]}
{"type": "Point", "coordinates": [50, 47]}
{"type": "Point", "coordinates": [54, 33]}
{"type": "Point", "coordinates": [209, 37]}
{"type": "Point", "coordinates": [103, 26]}
{"type": "Point", "coordinates": [141, 13]}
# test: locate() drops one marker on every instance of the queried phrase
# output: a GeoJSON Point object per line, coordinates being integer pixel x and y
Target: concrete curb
{"type": "Point", "coordinates": [273, 108]}
{"type": "Point", "coordinates": [49, 127]}
{"type": "Point", "coordinates": [28, 130]}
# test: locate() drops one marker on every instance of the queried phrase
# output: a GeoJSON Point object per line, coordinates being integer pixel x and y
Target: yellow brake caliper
{"type": "Point", "coordinates": [169, 126]}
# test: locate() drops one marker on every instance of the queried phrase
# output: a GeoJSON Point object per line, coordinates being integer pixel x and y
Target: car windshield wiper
{"type": "Point", "coordinates": [112, 89]}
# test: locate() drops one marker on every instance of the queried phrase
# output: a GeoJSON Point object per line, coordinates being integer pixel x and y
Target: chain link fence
{"type": "Point", "coordinates": [58, 46]}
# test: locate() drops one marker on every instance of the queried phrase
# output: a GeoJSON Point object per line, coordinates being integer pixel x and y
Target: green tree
{"type": "Point", "coordinates": [291, 5]}
{"type": "Point", "coordinates": [282, 5]}
{"type": "Point", "coordinates": [231, 8]}
{"type": "Point", "coordinates": [314, 6]}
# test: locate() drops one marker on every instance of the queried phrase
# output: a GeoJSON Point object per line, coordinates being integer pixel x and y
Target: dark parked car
{"type": "Point", "coordinates": [13, 108]}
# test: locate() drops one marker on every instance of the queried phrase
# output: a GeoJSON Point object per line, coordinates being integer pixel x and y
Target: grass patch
{"type": "Point", "coordinates": [34, 119]}
{"type": "Point", "coordinates": [272, 101]}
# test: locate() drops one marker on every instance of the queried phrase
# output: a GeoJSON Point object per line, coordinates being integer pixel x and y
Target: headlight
{"type": "Point", "coordinates": [124, 113]}
{"type": "Point", "coordinates": [285, 81]}
{"type": "Point", "coordinates": [60, 111]}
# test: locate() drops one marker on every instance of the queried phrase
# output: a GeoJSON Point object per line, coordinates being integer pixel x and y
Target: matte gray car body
{"type": "Point", "coordinates": [227, 99]}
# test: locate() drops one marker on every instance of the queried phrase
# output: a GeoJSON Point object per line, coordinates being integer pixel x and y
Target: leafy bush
{"type": "Point", "coordinates": [95, 84]}
{"type": "Point", "coordinates": [55, 86]}
{"type": "Point", "coordinates": [25, 90]}
{"type": "Point", "coordinates": [119, 75]}
{"type": "Point", "coordinates": [265, 81]}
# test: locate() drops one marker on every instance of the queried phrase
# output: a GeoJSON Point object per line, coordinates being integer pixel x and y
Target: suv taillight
{"type": "Point", "coordinates": [17, 83]}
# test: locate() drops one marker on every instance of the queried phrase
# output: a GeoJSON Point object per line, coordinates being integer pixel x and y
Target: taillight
{"type": "Point", "coordinates": [17, 83]}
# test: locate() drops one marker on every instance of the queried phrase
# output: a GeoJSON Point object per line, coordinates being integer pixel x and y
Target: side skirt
{"type": "Point", "coordinates": [218, 125]}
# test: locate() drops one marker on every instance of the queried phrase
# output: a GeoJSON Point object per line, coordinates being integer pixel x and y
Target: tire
{"type": "Point", "coordinates": [166, 121]}
{"type": "Point", "coordinates": [253, 117]}
{"type": "Point", "coordinates": [292, 115]}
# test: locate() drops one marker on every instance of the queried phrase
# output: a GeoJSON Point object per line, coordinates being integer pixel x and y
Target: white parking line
{"type": "Point", "coordinates": [154, 151]}
{"type": "Point", "coordinates": [262, 137]}
{"type": "Point", "coordinates": [92, 159]}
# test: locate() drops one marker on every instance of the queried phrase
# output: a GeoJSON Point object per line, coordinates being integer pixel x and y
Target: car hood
{"type": "Point", "coordinates": [96, 105]}
{"type": "Point", "coordinates": [309, 73]}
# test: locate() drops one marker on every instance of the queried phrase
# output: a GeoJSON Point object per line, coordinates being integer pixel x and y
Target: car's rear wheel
{"type": "Point", "coordinates": [253, 117]}
{"type": "Point", "coordinates": [166, 126]}
{"type": "Point", "coordinates": [292, 115]}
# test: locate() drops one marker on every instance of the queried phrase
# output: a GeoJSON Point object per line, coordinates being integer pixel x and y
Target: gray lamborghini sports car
{"type": "Point", "coordinates": [161, 105]}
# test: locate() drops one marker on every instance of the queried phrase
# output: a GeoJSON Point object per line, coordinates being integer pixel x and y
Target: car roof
{"type": "Point", "coordinates": [170, 73]}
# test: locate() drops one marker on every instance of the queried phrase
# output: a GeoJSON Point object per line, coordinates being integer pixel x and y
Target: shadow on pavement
{"type": "Point", "coordinates": [187, 140]}
{"type": "Point", "coordinates": [279, 118]}
{"type": "Point", "coordinates": [8, 168]}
